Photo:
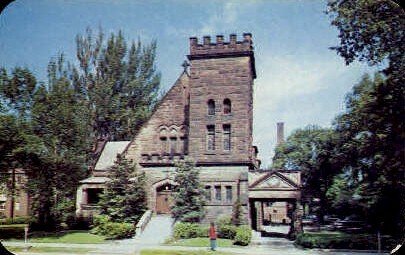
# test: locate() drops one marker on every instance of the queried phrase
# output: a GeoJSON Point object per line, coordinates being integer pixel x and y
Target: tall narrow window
{"type": "Point", "coordinates": [208, 193]}
{"type": "Point", "coordinates": [163, 142]}
{"type": "Point", "coordinates": [228, 193]}
{"type": "Point", "coordinates": [227, 137]}
{"type": "Point", "coordinates": [173, 145]}
{"type": "Point", "coordinates": [211, 107]}
{"type": "Point", "coordinates": [227, 106]}
{"type": "Point", "coordinates": [218, 195]}
{"type": "Point", "coordinates": [210, 137]}
{"type": "Point", "coordinates": [183, 145]}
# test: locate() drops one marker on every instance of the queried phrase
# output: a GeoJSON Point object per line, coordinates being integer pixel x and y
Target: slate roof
{"type": "Point", "coordinates": [109, 154]}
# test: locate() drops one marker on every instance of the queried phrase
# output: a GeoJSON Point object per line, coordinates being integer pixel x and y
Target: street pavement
{"type": "Point", "coordinates": [160, 228]}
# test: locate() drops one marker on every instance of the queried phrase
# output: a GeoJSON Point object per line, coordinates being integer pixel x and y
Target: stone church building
{"type": "Point", "coordinates": [206, 116]}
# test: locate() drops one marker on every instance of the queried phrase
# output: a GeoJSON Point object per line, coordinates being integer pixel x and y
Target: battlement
{"type": "Point", "coordinates": [221, 48]}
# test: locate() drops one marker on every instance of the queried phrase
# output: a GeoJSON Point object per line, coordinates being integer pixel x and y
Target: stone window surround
{"type": "Point", "coordinates": [223, 185]}
{"type": "Point", "coordinates": [211, 107]}
{"type": "Point", "coordinates": [227, 106]}
{"type": "Point", "coordinates": [167, 134]}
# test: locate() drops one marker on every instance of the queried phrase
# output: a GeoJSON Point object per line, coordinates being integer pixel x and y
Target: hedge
{"type": "Point", "coordinates": [112, 230]}
{"type": "Point", "coordinates": [185, 230]}
{"type": "Point", "coordinates": [344, 241]}
{"type": "Point", "coordinates": [10, 231]}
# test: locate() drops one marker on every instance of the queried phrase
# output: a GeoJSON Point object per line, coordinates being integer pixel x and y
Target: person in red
{"type": "Point", "coordinates": [213, 236]}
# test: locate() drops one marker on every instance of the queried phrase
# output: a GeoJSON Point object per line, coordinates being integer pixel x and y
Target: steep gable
{"type": "Point", "coordinates": [169, 120]}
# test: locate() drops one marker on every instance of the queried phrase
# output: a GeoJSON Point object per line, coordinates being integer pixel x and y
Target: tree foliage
{"type": "Point", "coordinates": [124, 197]}
{"type": "Point", "coordinates": [370, 30]}
{"type": "Point", "coordinates": [372, 129]}
{"type": "Point", "coordinates": [189, 199]}
{"type": "Point", "coordinates": [121, 82]}
{"type": "Point", "coordinates": [48, 128]}
{"type": "Point", "coordinates": [371, 140]}
{"type": "Point", "coordinates": [310, 150]}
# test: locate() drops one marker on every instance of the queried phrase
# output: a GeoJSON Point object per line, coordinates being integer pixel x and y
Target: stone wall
{"type": "Point", "coordinates": [221, 71]}
{"type": "Point", "coordinates": [168, 120]}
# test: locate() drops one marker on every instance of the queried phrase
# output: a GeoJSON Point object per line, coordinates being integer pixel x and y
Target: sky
{"type": "Point", "coordinates": [300, 81]}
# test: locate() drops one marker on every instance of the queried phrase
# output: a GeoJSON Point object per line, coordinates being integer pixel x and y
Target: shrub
{"type": "Point", "coordinates": [243, 235]}
{"type": "Point", "coordinates": [225, 228]}
{"type": "Point", "coordinates": [112, 230]}
{"type": "Point", "coordinates": [15, 220]}
{"type": "Point", "coordinates": [185, 230]}
{"type": "Point", "coordinates": [343, 241]}
{"type": "Point", "coordinates": [8, 232]}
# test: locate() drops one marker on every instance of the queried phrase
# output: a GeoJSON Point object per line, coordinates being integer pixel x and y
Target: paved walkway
{"type": "Point", "coordinates": [132, 246]}
{"type": "Point", "coordinates": [159, 229]}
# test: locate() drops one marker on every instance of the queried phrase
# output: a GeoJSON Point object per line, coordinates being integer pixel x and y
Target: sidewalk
{"type": "Point", "coordinates": [131, 246]}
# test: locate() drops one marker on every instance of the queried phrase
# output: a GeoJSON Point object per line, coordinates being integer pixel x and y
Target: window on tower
{"type": "Point", "coordinates": [227, 106]}
{"type": "Point", "coordinates": [211, 137]}
{"type": "Point", "coordinates": [211, 107]}
{"type": "Point", "coordinates": [227, 137]}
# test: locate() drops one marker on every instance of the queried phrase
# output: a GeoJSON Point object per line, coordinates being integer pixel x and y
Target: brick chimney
{"type": "Point", "coordinates": [280, 133]}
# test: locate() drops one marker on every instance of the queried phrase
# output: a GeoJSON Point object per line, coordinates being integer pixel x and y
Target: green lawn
{"type": "Point", "coordinates": [200, 242]}
{"type": "Point", "coordinates": [49, 249]}
{"type": "Point", "coordinates": [13, 226]}
{"type": "Point", "coordinates": [174, 252]}
{"type": "Point", "coordinates": [74, 236]}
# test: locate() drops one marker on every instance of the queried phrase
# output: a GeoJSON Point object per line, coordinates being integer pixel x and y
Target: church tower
{"type": "Point", "coordinates": [221, 101]}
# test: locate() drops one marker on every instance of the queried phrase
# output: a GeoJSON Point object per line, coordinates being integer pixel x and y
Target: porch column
{"type": "Point", "coordinates": [299, 212]}
{"type": "Point", "coordinates": [85, 197]}
{"type": "Point", "coordinates": [296, 220]}
{"type": "Point", "coordinates": [259, 218]}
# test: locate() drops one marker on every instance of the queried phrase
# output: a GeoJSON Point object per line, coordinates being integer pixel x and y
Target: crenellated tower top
{"type": "Point", "coordinates": [221, 48]}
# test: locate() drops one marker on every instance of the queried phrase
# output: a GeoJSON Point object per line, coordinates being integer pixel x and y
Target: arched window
{"type": "Point", "coordinates": [211, 107]}
{"type": "Point", "coordinates": [227, 106]}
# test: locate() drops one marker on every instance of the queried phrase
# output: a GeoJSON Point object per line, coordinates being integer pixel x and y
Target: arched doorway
{"type": "Point", "coordinates": [164, 198]}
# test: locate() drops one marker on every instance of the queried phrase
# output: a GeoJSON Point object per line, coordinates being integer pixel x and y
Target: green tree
{"type": "Point", "coordinates": [124, 197]}
{"type": "Point", "coordinates": [371, 145]}
{"type": "Point", "coordinates": [18, 90]}
{"type": "Point", "coordinates": [189, 199]}
{"type": "Point", "coordinates": [372, 129]}
{"type": "Point", "coordinates": [122, 85]}
{"type": "Point", "coordinates": [310, 150]}
{"type": "Point", "coordinates": [370, 30]}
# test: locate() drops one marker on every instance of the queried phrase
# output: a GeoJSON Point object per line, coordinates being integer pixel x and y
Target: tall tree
{"type": "Point", "coordinates": [371, 144]}
{"type": "Point", "coordinates": [370, 30]}
{"type": "Point", "coordinates": [124, 198]}
{"type": "Point", "coordinates": [189, 199]}
{"type": "Point", "coordinates": [122, 85]}
{"type": "Point", "coordinates": [18, 90]}
{"type": "Point", "coordinates": [310, 150]}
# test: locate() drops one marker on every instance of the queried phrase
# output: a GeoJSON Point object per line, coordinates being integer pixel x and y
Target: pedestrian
{"type": "Point", "coordinates": [213, 236]}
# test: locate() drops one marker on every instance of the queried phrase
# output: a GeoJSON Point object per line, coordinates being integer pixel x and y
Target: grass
{"type": "Point", "coordinates": [201, 242]}
{"type": "Point", "coordinates": [13, 226]}
{"type": "Point", "coordinates": [71, 236]}
{"type": "Point", "coordinates": [49, 249]}
{"type": "Point", "coordinates": [74, 236]}
{"type": "Point", "coordinates": [178, 252]}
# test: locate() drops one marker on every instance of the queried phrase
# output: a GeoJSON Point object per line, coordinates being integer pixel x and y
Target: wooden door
{"type": "Point", "coordinates": [163, 202]}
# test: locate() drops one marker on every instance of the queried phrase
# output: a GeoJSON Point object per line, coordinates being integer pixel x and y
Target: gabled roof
{"type": "Point", "coordinates": [273, 180]}
{"type": "Point", "coordinates": [109, 154]}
